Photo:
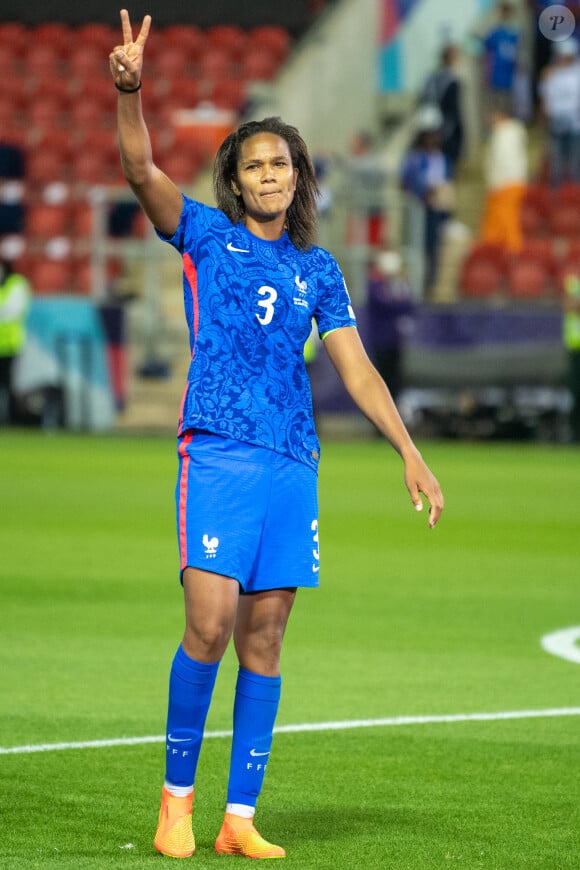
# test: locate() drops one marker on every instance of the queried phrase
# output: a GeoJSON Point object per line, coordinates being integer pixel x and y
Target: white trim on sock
{"type": "Point", "coordinates": [243, 810]}
{"type": "Point", "coordinates": [178, 790]}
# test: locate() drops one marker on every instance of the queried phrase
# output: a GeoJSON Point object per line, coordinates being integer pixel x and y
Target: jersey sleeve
{"type": "Point", "coordinates": [195, 218]}
{"type": "Point", "coordinates": [333, 308]}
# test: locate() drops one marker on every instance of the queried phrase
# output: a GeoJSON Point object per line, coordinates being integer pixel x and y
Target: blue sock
{"type": "Point", "coordinates": [190, 689]}
{"type": "Point", "coordinates": [255, 709]}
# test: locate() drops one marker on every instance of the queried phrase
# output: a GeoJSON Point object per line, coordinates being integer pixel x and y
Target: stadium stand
{"type": "Point", "coordinates": [550, 250]}
{"type": "Point", "coordinates": [57, 108]}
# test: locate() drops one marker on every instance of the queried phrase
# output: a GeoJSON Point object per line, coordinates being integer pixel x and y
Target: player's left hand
{"type": "Point", "coordinates": [419, 479]}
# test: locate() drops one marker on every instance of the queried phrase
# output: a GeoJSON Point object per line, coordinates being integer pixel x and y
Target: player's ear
{"type": "Point", "coordinates": [235, 187]}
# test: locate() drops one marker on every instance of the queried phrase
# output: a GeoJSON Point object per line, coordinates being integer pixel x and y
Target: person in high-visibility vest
{"type": "Point", "coordinates": [572, 342]}
{"type": "Point", "coordinates": [14, 305]}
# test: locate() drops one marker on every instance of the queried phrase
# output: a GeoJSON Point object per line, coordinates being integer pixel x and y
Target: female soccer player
{"type": "Point", "coordinates": [247, 448]}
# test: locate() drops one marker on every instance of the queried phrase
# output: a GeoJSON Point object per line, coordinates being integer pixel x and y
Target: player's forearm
{"type": "Point", "coordinates": [134, 141]}
{"type": "Point", "coordinates": [372, 396]}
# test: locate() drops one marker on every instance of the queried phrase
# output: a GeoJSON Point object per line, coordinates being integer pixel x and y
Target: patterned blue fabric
{"type": "Point", "coordinates": [249, 305]}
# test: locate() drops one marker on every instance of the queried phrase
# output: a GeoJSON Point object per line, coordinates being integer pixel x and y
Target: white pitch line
{"type": "Point", "coordinates": [310, 726]}
{"type": "Point", "coordinates": [563, 643]}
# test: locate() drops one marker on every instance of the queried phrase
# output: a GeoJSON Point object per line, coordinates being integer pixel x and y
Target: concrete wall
{"type": "Point", "coordinates": [329, 88]}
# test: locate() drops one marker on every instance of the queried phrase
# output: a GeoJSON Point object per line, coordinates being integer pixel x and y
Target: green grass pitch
{"type": "Point", "coordinates": [407, 622]}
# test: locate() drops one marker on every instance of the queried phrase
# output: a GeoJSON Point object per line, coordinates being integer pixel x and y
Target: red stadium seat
{"type": "Point", "coordinates": [88, 60]}
{"type": "Point", "coordinates": [49, 276]}
{"type": "Point", "coordinates": [45, 113]}
{"type": "Point", "coordinates": [572, 249]}
{"type": "Point", "coordinates": [98, 89]}
{"type": "Point", "coordinates": [103, 141]}
{"type": "Point", "coordinates": [86, 115]}
{"type": "Point", "coordinates": [229, 38]}
{"type": "Point", "coordinates": [533, 220]}
{"type": "Point", "coordinates": [172, 62]}
{"type": "Point", "coordinates": [55, 33]}
{"type": "Point", "coordinates": [276, 39]}
{"type": "Point", "coordinates": [83, 277]}
{"type": "Point", "coordinates": [527, 280]}
{"type": "Point", "coordinates": [490, 252]}
{"type": "Point", "coordinates": [8, 61]}
{"type": "Point", "coordinates": [16, 35]}
{"type": "Point", "coordinates": [259, 65]}
{"type": "Point", "coordinates": [563, 219]}
{"type": "Point", "coordinates": [215, 63]}
{"type": "Point", "coordinates": [539, 195]}
{"type": "Point", "coordinates": [97, 35]}
{"type": "Point", "coordinates": [8, 114]}
{"type": "Point", "coordinates": [51, 87]}
{"type": "Point", "coordinates": [228, 94]}
{"type": "Point", "coordinates": [43, 59]}
{"type": "Point", "coordinates": [568, 192]}
{"type": "Point", "coordinates": [44, 220]}
{"type": "Point", "coordinates": [181, 165]}
{"type": "Point", "coordinates": [90, 167]}
{"type": "Point", "coordinates": [185, 92]}
{"type": "Point", "coordinates": [541, 251]}
{"type": "Point", "coordinates": [480, 279]}
{"type": "Point", "coordinates": [82, 220]}
{"type": "Point", "coordinates": [185, 36]}
{"type": "Point", "coordinates": [44, 166]}
{"type": "Point", "coordinates": [534, 210]}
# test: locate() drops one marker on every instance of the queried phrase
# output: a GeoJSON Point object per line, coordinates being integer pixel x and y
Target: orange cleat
{"type": "Point", "coordinates": [174, 836]}
{"type": "Point", "coordinates": [238, 836]}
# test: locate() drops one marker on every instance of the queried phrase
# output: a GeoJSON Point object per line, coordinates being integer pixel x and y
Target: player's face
{"type": "Point", "coordinates": [266, 179]}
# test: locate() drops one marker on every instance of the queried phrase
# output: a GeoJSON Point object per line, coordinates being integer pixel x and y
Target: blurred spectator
{"type": "Point", "coordinates": [11, 188]}
{"type": "Point", "coordinates": [322, 163]}
{"type": "Point", "coordinates": [443, 89]}
{"type": "Point", "coordinates": [560, 96]}
{"type": "Point", "coordinates": [501, 44]}
{"type": "Point", "coordinates": [572, 343]}
{"type": "Point", "coordinates": [426, 175]}
{"type": "Point", "coordinates": [14, 304]}
{"type": "Point", "coordinates": [522, 91]}
{"type": "Point", "coordinates": [366, 180]}
{"type": "Point", "coordinates": [11, 160]}
{"type": "Point", "coordinates": [506, 172]}
{"type": "Point", "coordinates": [542, 46]}
{"type": "Point", "coordinates": [390, 310]}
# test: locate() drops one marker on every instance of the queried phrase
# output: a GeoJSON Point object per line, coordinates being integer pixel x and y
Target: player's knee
{"type": "Point", "coordinates": [209, 640]}
{"type": "Point", "coordinates": [260, 650]}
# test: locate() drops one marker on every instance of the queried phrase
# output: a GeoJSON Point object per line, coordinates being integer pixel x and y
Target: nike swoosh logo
{"type": "Point", "coordinates": [257, 754]}
{"type": "Point", "coordinates": [177, 739]}
{"type": "Point", "coordinates": [231, 247]}
{"type": "Point", "coordinates": [315, 568]}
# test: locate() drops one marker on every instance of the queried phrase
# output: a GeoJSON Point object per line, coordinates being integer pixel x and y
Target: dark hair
{"type": "Point", "coordinates": [301, 215]}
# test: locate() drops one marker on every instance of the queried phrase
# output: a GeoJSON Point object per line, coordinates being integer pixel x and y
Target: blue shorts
{"type": "Point", "coordinates": [246, 512]}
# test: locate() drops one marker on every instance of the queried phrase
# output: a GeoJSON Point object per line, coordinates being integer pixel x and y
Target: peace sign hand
{"type": "Point", "coordinates": [126, 61]}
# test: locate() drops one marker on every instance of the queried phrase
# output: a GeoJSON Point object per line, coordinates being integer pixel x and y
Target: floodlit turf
{"type": "Point", "coordinates": [408, 622]}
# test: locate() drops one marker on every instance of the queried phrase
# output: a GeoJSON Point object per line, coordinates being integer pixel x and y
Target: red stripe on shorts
{"type": "Point", "coordinates": [182, 508]}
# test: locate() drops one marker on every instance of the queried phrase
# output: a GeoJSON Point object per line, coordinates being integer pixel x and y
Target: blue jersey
{"type": "Point", "coordinates": [249, 305]}
{"type": "Point", "coordinates": [501, 45]}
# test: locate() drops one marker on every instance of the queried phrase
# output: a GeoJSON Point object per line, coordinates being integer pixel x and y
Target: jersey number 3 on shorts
{"type": "Point", "coordinates": [267, 304]}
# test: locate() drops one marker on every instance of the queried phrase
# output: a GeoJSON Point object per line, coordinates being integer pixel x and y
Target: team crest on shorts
{"type": "Point", "coordinates": [211, 545]}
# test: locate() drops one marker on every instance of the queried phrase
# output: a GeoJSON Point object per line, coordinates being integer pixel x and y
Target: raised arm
{"type": "Point", "coordinates": [366, 387]}
{"type": "Point", "coordinates": [158, 195]}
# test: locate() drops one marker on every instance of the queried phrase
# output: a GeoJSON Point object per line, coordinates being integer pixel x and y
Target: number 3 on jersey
{"type": "Point", "coordinates": [267, 304]}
